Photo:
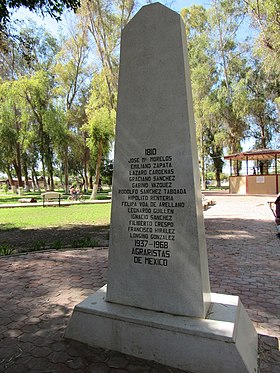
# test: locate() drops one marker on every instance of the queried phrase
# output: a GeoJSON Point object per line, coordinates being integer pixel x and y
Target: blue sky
{"type": "Point", "coordinates": [54, 26]}
{"type": "Point", "coordinates": [179, 4]}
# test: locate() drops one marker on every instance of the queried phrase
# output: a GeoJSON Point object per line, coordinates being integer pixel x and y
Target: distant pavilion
{"type": "Point", "coordinates": [262, 176]}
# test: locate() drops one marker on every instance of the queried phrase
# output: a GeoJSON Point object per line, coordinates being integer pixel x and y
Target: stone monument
{"type": "Point", "coordinates": [158, 303]}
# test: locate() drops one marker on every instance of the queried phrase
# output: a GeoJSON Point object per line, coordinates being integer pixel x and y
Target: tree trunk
{"type": "Point", "coordinates": [218, 178]}
{"type": "Point", "coordinates": [26, 184]}
{"type": "Point", "coordinates": [50, 178]}
{"type": "Point", "coordinates": [97, 170]}
{"type": "Point", "coordinates": [44, 172]}
{"type": "Point", "coordinates": [218, 164]}
{"type": "Point", "coordinates": [66, 171]}
{"type": "Point", "coordinates": [86, 160]}
{"type": "Point", "coordinates": [35, 178]}
{"type": "Point", "coordinates": [203, 174]}
{"type": "Point", "coordinates": [263, 136]}
{"type": "Point", "coordinates": [203, 170]}
{"type": "Point", "coordinates": [17, 165]}
{"type": "Point", "coordinates": [10, 178]}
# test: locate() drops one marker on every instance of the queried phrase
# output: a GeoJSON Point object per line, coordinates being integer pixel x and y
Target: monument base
{"type": "Point", "coordinates": [225, 341]}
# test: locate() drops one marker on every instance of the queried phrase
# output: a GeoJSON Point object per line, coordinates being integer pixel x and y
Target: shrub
{"type": "Point", "coordinates": [6, 249]}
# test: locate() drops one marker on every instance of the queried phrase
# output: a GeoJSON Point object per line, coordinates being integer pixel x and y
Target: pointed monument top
{"type": "Point", "coordinates": [148, 11]}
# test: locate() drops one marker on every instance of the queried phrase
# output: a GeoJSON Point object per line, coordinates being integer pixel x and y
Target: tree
{"type": "Point", "coordinates": [73, 80]}
{"type": "Point", "coordinates": [46, 121]}
{"type": "Point", "coordinates": [210, 134]}
{"type": "Point", "coordinates": [265, 19]}
{"type": "Point", "coordinates": [264, 122]}
{"type": "Point", "coordinates": [232, 67]}
{"type": "Point", "coordinates": [28, 56]}
{"type": "Point", "coordinates": [105, 19]}
{"type": "Point", "coordinates": [29, 49]}
{"type": "Point", "coordinates": [54, 8]}
{"type": "Point", "coordinates": [11, 129]}
{"type": "Point", "coordinates": [100, 127]}
{"type": "Point", "coordinates": [26, 97]}
{"type": "Point", "coordinates": [265, 16]}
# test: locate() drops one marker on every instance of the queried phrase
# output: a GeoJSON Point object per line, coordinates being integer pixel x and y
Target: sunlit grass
{"type": "Point", "coordinates": [43, 217]}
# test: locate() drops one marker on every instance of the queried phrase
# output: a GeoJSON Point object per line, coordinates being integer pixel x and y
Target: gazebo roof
{"type": "Point", "coordinates": [260, 154]}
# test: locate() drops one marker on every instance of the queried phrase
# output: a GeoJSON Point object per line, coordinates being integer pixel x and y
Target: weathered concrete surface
{"type": "Point", "coordinates": [155, 136]}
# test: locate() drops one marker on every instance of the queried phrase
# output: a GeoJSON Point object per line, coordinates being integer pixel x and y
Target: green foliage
{"type": "Point", "coordinates": [232, 96]}
{"type": "Point", "coordinates": [58, 96]}
{"type": "Point", "coordinates": [85, 242]}
{"type": "Point", "coordinates": [54, 8]}
{"type": "Point", "coordinates": [100, 126]}
{"type": "Point", "coordinates": [26, 50]}
{"type": "Point", "coordinates": [225, 19]}
{"type": "Point", "coordinates": [105, 20]}
{"type": "Point", "coordinates": [6, 249]}
{"type": "Point", "coordinates": [5, 188]}
{"type": "Point", "coordinates": [73, 81]}
{"type": "Point", "coordinates": [265, 16]}
{"type": "Point", "coordinates": [57, 245]}
{"type": "Point", "coordinates": [263, 116]}
{"type": "Point", "coordinates": [107, 172]}
{"type": "Point", "coordinates": [210, 132]}
{"type": "Point", "coordinates": [38, 245]}
{"type": "Point", "coordinates": [36, 49]}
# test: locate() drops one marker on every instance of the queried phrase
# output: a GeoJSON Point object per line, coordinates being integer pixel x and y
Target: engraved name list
{"type": "Point", "coordinates": [151, 200]}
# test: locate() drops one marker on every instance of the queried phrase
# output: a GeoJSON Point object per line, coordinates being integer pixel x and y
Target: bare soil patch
{"type": "Point", "coordinates": [22, 240]}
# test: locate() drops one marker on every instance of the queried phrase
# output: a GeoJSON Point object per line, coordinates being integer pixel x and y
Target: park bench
{"type": "Point", "coordinates": [51, 197]}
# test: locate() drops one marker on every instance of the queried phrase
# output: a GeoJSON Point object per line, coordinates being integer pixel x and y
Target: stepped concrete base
{"type": "Point", "coordinates": [225, 341]}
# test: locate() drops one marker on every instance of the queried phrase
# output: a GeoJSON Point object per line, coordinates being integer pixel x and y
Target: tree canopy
{"type": "Point", "coordinates": [54, 8]}
{"type": "Point", "coordinates": [58, 94]}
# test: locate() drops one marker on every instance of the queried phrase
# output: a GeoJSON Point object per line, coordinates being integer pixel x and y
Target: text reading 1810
{"type": "Point", "coordinates": [151, 151]}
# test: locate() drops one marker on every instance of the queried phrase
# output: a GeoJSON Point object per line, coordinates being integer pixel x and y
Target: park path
{"type": "Point", "coordinates": [244, 256]}
{"type": "Point", "coordinates": [39, 291]}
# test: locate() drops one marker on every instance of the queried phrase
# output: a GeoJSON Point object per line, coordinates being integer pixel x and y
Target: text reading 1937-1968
{"type": "Point", "coordinates": [152, 200]}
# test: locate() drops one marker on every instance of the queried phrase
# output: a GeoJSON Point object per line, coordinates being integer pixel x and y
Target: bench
{"type": "Point", "coordinates": [50, 197]}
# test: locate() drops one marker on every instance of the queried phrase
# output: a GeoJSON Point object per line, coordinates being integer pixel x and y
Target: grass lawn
{"type": "Point", "coordinates": [13, 198]}
{"type": "Point", "coordinates": [46, 217]}
{"type": "Point", "coordinates": [7, 198]}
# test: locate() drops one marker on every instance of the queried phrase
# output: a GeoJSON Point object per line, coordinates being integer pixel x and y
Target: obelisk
{"type": "Point", "coordinates": [158, 257]}
{"type": "Point", "coordinates": [158, 304]}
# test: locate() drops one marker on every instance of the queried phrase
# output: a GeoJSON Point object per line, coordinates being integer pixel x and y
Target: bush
{"type": "Point", "coordinates": [5, 188]}
{"type": "Point", "coordinates": [6, 249]}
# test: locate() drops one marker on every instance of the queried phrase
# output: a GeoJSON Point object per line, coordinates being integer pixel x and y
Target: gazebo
{"type": "Point", "coordinates": [260, 174]}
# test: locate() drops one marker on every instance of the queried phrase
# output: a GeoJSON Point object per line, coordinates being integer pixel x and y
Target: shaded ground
{"type": "Point", "coordinates": [41, 289]}
{"type": "Point", "coordinates": [67, 236]}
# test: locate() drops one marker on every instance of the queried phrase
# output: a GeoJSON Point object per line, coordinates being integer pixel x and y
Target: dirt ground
{"type": "Point", "coordinates": [22, 240]}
